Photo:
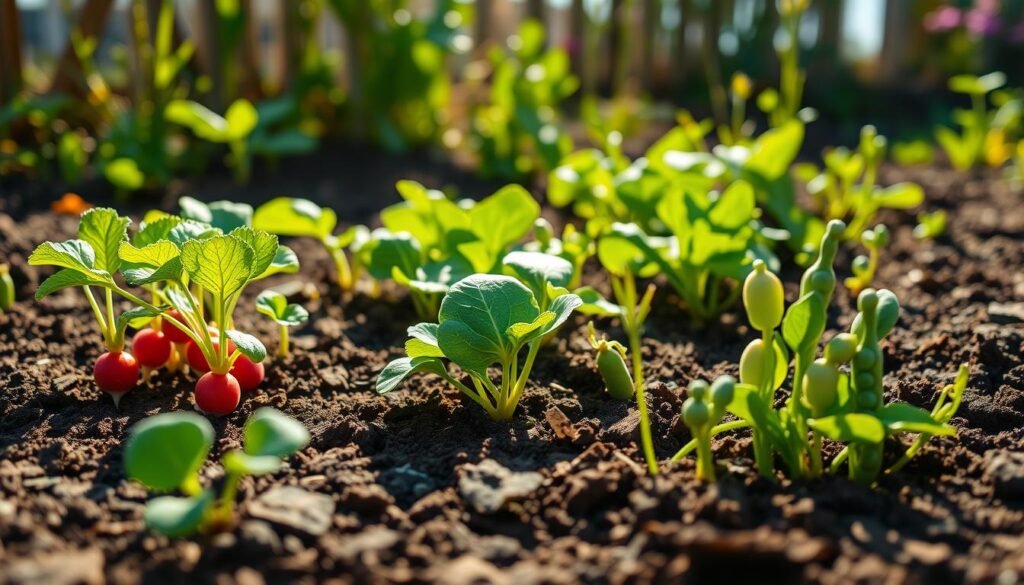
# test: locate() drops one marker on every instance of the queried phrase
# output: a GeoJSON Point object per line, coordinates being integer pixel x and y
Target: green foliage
{"type": "Point", "coordinates": [930, 225]}
{"type": "Point", "coordinates": [484, 320]}
{"type": "Point", "coordinates": [429, 242]}
{"type": "Point", "coordinates": [233, 129]}
{"type": "Point", "coordinates": [516, 131]}
{"type": "Point", "coordinates": [165, 453]}
{"type": "Point", "coordinates": [401, 87]}
{"type": "Point", "coordinates": [276, 307]}
{"type": "Point", "coordinates": [703, 409]}
{"type": "Point", "coordinates": [828, 400]}
{"type": "Point", "coordinates": [287, 216]}
{"type": "Point", "coordinates": [846, 188]}
{"type": "Point", "coordinates": [982, 133]}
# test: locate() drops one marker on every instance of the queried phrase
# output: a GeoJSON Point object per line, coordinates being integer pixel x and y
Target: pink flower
{"type": "Point", "coordinates": [982, 22]}
{"type": "Point", "coordinates": [943, 19]}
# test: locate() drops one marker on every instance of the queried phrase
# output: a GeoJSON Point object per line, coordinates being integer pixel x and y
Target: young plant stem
{"type": "Point", "coordinates": [916, 446]}
{"type": "Point", "coordinates": [762, 449]}
{"type": "Point", "coordinates": [633, 315]}
{"type": "Point", "coordinates": [719, 428]}
{"type": "Point", "coordinates": [99, 316]}
{"type": "Point", "coordinates": [282, 346]}
{"type": "Point", "coordinates": [343, 268]}
{"type": "Point", "coordinates": [705, 459]}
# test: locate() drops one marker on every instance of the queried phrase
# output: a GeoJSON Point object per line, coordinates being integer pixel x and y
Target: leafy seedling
{"type": "Point", "coordinates": [232, 129]}
{"type": "Point", "coordinates": [276, 306]}
{"type": "Point", "coordinates": [484, 320]}
{"type": "Point", "coordinates": [574, 246]}
{"type": "Point", "coordinates": [286, 216]}
{"type": "Point", "coordinates": [90, 262]}
{"type": "Point", "coordinates": [966, 148]}
{"type": "Point", "coordinates": [165, 453]}
{"type": "Point", "coordinates": [864, 267]}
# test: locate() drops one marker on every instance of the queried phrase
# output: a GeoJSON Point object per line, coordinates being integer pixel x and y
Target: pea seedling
{"type": "Point", "coordinates": [484, 320]}
{"type": "Point", "coordinates": [864, 267]}
{"type": "Point", "coordinates": [166, 452]}
{"type": "Point", "coordinates": [611, 364]}
{"type": "Point", "coordinates": [286, 216]}
{"type": "Point", "coordinates": [276, 306]}
{"type": "Point", "coordinates": [702, 410]}
{"type": "Point", "coordinates": [848, 186]}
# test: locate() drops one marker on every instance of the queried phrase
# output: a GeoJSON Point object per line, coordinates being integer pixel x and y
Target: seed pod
{"type": "Point", "coordinates": [614, 372]}
{"type": "Point", "coordinates": [722, 391]}
{"type": "Point", "coordinates": [695, 413]}
{"type": "Point", "coordinates": [820, 383]}
{"type": "Point", "coordinates": [763, 298]}
{"type": "Point", "coordinates": [841, 349]}
{"type": "Point", "coordinates": [752, 365]}
{"type": "Point", "coordinates": [6, 288]}
{"type": "Point", "coordinates": [698, 390]}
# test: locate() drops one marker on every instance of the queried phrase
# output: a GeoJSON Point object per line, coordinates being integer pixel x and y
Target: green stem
{"type": "Point", "coordinates": [227, 497]}
{"type": "Point", "coordinates": [116, 338]}
{"type": "Point", "coordinates": [705, 458]}
{"type": "Point", "coordinates": [838, 461]}
{"type": "Point", "coordinates": [282, 346]}
{"type": "Point", "coordinates": [646, 438]}
{"type": "Point", "coordinates": [916, 446]}
{"type": "Point", "coordinates": [720, 428]}
{"type": "Point", "coordinates": [344, 269]}
{"type": "Point", "coordinates": [99, 316]}
{"type": "Point", "coordinates": [520, 384]}
{"type": "Point", "coordinates": [762, 449]}
{"type": "Point", "coordinates": [816, 463]}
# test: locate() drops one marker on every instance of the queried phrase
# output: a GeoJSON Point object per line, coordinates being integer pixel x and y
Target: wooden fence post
{"type": "Point", "coordinates": [10, 51]}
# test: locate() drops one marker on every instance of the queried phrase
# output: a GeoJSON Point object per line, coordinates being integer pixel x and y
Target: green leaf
{"type": "Point", "coordinates": [152, 263]}
{"type": "Point", "coordinates": [248, 345]}
{"type": "Point", "coordinates": [903, 417]}
{"type": "Point", "coordinates": [241, 463]}
{"type": "Point", "coordinates": [136, 317]}
{"type": "Point", "coordinates": [853, 427]}
{"type": "Point", "coordinates": [537, 270]}
{"type": "Point", "coordinates": [241, 119]}
{"type": "Point", "coordinates": [190, 230]}
{"type": "Point", "coordinates": [66, 278]}
{"type": "Point", "coordinates": [475, 317]}
{"type": "Point", "coordinates": [899, 196]}
{"type": "Point", "coordinates": [276, 306]}
{"type": "Point", "coordinates": [284, 262]}
{"type": "Point", "coordinates": [595, 304]}
{"type": "Point", "coordinates": [562, 307]}
{"type": "Point", "coordinates": [165, 451]}
{"type": "Point", "coordinates": [804, 322]}
{"type": "Point", "coordinates": [774, 150]}
{"type": "Point", "coordinates": [734, 208]}
{"type": "Point", "coordinates": [221, 264]}
{"type": "Point", "coordinates": [503, 218]}
{"type": "Point", "coordinates": [124, 174]}
{"type": "Point", "coordinates": [262, 243]}
{"type": "Point", "coordinates": [271, 432]}
{"type": "Point", "coordinates": [176, 517]}
{"type": "Point", "coordinates": [74, 254]}
{"type": "Point", "coordinates": [393, 250]}
{"type": "Point", "coordinates": [286, 216]}
{"type": "Point", "coordinates": [104, 231]}
{"type": "Point", "coordinates": [152, 231]}
{"type": "Point", "coordinates": [523, 332]}
{"type": "Point", "coordinates": [223, 215]}
{"type": "Point", "coordinates": [397, 371]}
{"type": "Point", "coordinates": [423, 341]}
{"type": "Point", "coordinates": [974, 85]}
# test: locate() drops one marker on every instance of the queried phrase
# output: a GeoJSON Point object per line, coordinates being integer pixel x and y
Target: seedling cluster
{"type": "Point", "coordinates": [193, 268]}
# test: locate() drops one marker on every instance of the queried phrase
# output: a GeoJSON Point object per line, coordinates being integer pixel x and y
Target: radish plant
{"type": "Point", "coordinates": [484, 320]}
{"type": "Point", "coordinates": [166, 452]}
{"type": "Point", "coordinates": [286, 216]}
{"type": "Point", "coordinates": [276, 307]}
{"type": "Point", "coordinates": [90, 263]}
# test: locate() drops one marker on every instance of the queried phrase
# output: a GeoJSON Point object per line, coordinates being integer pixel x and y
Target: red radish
{"type": "Point", "coordinates": [172, 332]}
{"type": "Point", "coordinates": [217, 394]}
{"type": "Point", "coordinates": [196, 359]}
{"type": "Point", "coordinates": [116, 372]}
{"type": "Point", "coordinates": [248, 373]}
{"type": "Point", "coordinates": [152, 348]}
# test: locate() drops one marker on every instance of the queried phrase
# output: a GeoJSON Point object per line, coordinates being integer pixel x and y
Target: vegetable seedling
{"type": "Point", "coordinates": [232, 129]}
{"type": "Point", "coordinates": [864, 267]}
{"type": "Point", "coordinates": [966, 149]}
{"type": "Point", "coordinates": [702, 410]}
{"type": "Point", "coordinates": [91, 261]}
{"type": "Point", "coordinates": [286, 216]}
{"type": "Point", "coordinates": [165, 453]}
{"type": "Point", "coordinates": [624, 262]}
{"type": "Point", "coordinates": [484, 320]}
{"type": "Point", "coordinates": [276, 306]}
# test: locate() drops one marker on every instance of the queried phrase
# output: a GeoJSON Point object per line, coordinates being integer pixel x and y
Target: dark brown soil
{"type": "Point", "coordinates": [401, 469]}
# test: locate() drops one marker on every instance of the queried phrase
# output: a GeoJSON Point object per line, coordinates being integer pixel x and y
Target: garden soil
{"type": "Point", "coordinates": [419, 486]}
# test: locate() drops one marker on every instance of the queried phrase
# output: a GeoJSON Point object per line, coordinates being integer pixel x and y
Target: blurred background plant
{"type": "Point", "coordinates": [138, 92]}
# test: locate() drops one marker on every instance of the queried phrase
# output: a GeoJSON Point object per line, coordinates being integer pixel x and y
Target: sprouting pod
{"type": "Point", "coordinates": [610, 363]}
{"type": "Point", "coordinates": [763, 298]}
{"type": "Point", "coordinates": [6, 288]}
